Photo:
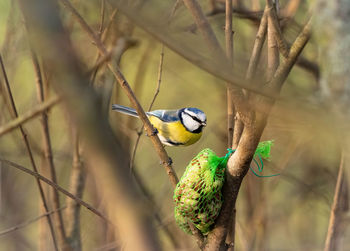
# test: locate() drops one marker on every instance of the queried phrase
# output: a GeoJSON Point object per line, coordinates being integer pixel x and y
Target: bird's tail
{"type": "Point", "coordinates": [125, 110]}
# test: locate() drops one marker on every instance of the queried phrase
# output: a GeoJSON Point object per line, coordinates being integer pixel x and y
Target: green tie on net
{"type": "Point", "coordinates": [198, 197]}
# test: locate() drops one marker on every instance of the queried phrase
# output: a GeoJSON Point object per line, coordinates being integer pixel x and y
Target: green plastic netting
{"type": "Point", "coordinates": [198, 194]}
{"type": "Point", "coordinates": [198, 198]}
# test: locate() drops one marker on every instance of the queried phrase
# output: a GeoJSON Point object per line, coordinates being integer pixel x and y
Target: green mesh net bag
{"type": "Point", "coordinates": [198, 197]}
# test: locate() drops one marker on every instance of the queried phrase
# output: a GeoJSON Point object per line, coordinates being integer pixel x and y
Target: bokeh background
{"type": "Point", "coordinates": [286, 212]}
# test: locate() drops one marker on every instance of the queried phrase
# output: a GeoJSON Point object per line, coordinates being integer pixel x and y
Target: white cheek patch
{"type": "Point", "coordinates": [190, 124]}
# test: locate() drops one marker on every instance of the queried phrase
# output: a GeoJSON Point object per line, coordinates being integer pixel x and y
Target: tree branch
{"type": "Point", "coordinates": [76, 187]}
{"type": "Point", "coordinates": [58, 188]}
{"type": "Point", "coordinates": [166, 162]}
{"type": "Point", "coordinates": [295, 50]}
{"type": "Point", "coordinates": [205, 28]}
{"type": "Point", "coordinates": [128, 209]}
{"type": "Point", "coordinates": [257, 48]}
{"type": "Point", "coordinates": [239, 162]}
{"type": "Point", "coordinates": [339, 207]}
{"type": "Point", "coordinates": [28, 222]}
{"type": "Point", "coordinates": [272, 48]}
{"type": "Point", "coordinates": [47, 149]}
{"type": "Point", "coordinates": [229, 54]}
{"type": "Point", "coordinates": [31, 114]}
{"type": "Point", "coordinates": [139, 133]}
{"type": "Point", "coordinates": [29, 151]}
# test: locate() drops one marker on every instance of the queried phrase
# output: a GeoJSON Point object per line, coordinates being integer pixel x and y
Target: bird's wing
{"type": "Point", "coordinates": [165, 115]}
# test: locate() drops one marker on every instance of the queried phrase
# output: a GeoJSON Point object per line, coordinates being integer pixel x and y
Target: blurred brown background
{"type": "Point", "coordinates": [308, 123]}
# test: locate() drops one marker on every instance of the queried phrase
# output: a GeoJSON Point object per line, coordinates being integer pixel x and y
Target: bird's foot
{"type": "Point", "coordinates": [154, 132]}
{"type": "Point", "coordinates": [169, 162]}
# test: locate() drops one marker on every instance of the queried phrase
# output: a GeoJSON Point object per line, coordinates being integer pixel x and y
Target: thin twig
{"type": "Point", "coordinates": [102, 17]}
{"type": "Point", "coordinates": [240, 12]}
{"type": "Point", "coordinates": [204, 28]}
{"type": "Point", "coordinates": [109, 24]}
{"type": "Point", "coordinates": [257, 48]}
{"type": "Point", "coordinates": [291, 8]}
{"type": "Point", "coordinates": [283, 46]}
{"type": "Point", "coordinates": [229, 54]}
{"type": "Point", "coordinates": [77, 183]}
{"type": "Point", "coordinates": [160, 70]}
{"type": "Point", "coordinates": [272, 48]}
{"type": "Point", "coordinates": [142, 67]}
{"type": "Point", "coordinates": [139, 133]}
{"type": "Point", "coordinates": [99, 62]}
{"type": "Point", "coordinates": [176, 6]}
{"type": "Point", "coordinates": [31, 114]}
{"type": "Point", "coordinates": [166, 162]}
{"type": "Point", "coordinates": [295, 50]}
{"type": "Point", "coordinates": [102, 35]}
{"type": "Point", "coordinates": [29, 151]}
{"type": "Point", "coordinates": [47, 149]}
{"type": "Point", "coordinates": [276, 31]}
{"type": "Point", "coordinates": [28, 222]}
{"type": "Point", "coordinates": [230, 106]}
{"type": "Point", "coordinates": [339, 207]}
{"type": "Point", "coordinates": [58, 188]}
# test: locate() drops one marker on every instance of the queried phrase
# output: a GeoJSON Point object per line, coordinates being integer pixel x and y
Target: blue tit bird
{"type": "Point", "coordinates": [182, 127]}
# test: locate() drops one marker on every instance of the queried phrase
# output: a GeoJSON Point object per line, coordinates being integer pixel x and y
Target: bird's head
{"type": "Point", "coordinates": [193, 119]}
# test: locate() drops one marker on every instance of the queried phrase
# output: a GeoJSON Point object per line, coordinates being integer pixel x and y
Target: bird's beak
{"type": "Point", "coordinates": [204, 124]}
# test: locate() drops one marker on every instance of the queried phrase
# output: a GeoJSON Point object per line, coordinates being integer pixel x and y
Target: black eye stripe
{"type": "Point", "coordinates": [194, 118]}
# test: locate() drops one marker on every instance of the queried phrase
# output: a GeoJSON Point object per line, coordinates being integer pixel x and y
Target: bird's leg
{"type": "Point", "coordinates": [169, 163]}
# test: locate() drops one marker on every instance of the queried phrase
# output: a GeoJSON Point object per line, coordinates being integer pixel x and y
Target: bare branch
{"type": "Point", "coordinates": [230, 104]}
{"type": "Point", "coordinates": [239, 162]}
{"type": "Point", "coordinates": [257, 48]}
{"type": "Point", "coordinates": [229, 54]}
{"type": "Point", "coordinates": [29, 151]}
{"type": "Point", "coordinates": [47, 149]}
{"type": "Point", "coordinates": [339, 207]}
{"type": "Point", "coordinates": [31, 114]}
{"type": "Point", "coordinates": [166, 162]}
{"type": "Point", "coordinates": [272, 48]}
{"type": "Point", "coordinates": [76, 187]}
{"type": "Point", "coordinates": [283, 46]}
{"type": "Point", "coordinates": [58, 188]}
{"type": "Point", "coordinates": [276, 31]}
{"type": "Point", "coordinates": [103, 147]}
{"type": "Point", "coordinates": [204, 27]}
{"type": "Point", "coordinates": [291, 8]}
{"type": "Point", "coordinates": [160, 70]}
{"type": "Point", "coordinates": [28, 222]}
{"type": "Point", "coordinates": [139, 133]}
{"type": "Point", "coordinates": [295, 50]}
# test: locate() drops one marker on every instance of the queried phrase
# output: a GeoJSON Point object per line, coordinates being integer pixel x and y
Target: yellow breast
{"type": "Point", "coordinates": [174, 132]}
